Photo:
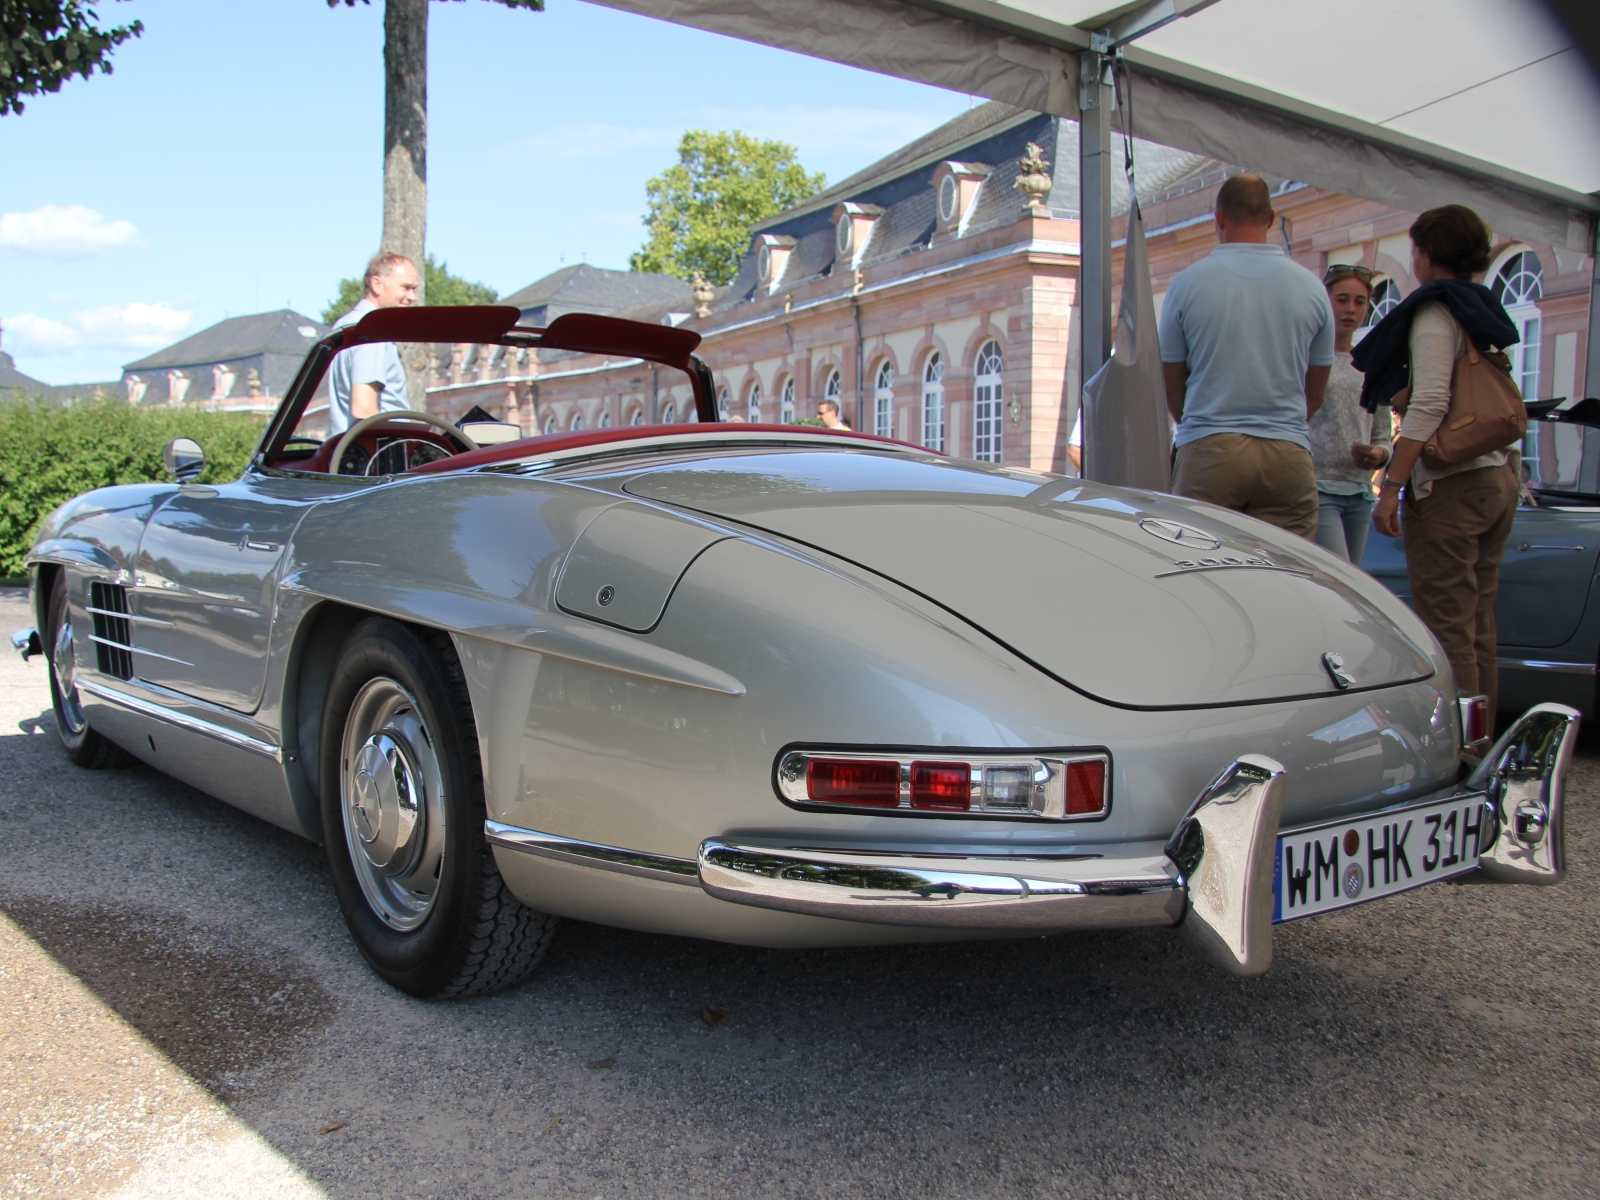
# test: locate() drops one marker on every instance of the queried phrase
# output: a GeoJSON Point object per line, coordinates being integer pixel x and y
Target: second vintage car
{"type": "Point", "coordinates": [769, 685]}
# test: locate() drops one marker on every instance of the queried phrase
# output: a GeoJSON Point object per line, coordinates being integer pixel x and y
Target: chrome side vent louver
{"type": "Point", "coordinates": [108, 605]}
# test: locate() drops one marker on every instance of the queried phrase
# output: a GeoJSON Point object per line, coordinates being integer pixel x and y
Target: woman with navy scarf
{"type": "Point", "coordinates": [1457, 517]}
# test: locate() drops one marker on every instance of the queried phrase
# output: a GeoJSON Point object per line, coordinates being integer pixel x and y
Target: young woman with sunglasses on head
{"type": "Point", "coordinates": [1348, 443]}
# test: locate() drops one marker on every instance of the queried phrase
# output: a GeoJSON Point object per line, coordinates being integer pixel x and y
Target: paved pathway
{"type": "Point", "coordinates": [180, 1008]}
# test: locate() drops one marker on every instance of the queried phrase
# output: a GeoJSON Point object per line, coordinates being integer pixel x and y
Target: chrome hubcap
{"type": "Point", "coordinates": [64, 665]}
{"type": "Point", "coordinates": [393, 802]}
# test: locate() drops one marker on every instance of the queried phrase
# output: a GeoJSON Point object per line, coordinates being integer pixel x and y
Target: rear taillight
{"type": "Point", "coordinates": [941, 785]}
{"type": "Point", "coordinates": [1086, 787]}
{"type": "Point", "coordinates": [1474, 720]}
{"type": "Point", "coordinates": [853, 781]}
{"type": "Point", "coordinates": [1053, 787]}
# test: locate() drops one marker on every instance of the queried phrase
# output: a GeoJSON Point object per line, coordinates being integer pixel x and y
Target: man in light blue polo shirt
{"type": "Point", "coordinates": [368, 379]}
{"type": "Point", "coordinates": [1246, 347]}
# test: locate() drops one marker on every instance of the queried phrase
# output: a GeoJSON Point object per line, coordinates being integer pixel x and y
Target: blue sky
{"type": "Point", "coordinates": [232, 163]}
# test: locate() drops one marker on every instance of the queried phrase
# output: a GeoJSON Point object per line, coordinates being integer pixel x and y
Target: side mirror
{"type": "Point", "coordinates": [184, 459]}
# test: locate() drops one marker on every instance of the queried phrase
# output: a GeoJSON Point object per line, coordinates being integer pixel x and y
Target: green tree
{"type": "Point", "coordinates": [440, 286]}
{"type": "Point", "coordinates": [701, 209]}
{"type": "Point", "coordinates": [43, 43]}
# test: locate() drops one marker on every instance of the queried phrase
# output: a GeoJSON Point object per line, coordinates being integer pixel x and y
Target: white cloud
{"type": "Point", "coordinates": [29, 333]}
{"type": "Point", "coordinates": [119, 327]}
{"type": "Point", "coordinates": [76, 229]}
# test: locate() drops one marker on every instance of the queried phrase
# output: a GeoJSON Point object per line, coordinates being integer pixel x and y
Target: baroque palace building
{"type": "Point", "coordinates": [934, 295]}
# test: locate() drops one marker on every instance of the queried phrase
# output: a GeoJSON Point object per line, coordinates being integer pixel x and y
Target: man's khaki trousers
{"type": "Point", "coordinates": [1267, 478]}
{"type": "Point", "coordinates": [1454, 539]}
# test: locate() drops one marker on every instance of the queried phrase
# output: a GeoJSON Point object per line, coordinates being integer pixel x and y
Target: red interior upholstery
{"type": "Point", "coordinates": [322, 460]}
{"type": "Point", "coordinates": [532, 447]}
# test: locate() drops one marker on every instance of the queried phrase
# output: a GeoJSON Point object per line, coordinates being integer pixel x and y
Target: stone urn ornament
{"type": "Point", "coordinates": [1034, 182]}
{"type": "Point", "coordinates": [704, 293]}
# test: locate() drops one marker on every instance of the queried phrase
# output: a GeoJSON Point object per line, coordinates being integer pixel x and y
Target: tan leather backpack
{"type": "Point", "coordinates": [1486, 411]}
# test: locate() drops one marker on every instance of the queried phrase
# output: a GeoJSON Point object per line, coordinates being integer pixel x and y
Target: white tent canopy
{"type": "Point", "coordinates": [1410, 102]}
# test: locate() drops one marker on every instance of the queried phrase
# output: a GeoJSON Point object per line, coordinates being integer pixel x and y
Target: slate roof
{"type": "Point", "coordinates": [586, 288]}
{"type": "Point", "coordinates": [13, 379]}
{"type": "Point", "coordinates": [995, 135]}
{"type": "Point", "coordinates": [238, 337]}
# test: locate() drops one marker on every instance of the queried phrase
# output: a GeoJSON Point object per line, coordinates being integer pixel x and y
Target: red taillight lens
{"type": "Point", "coordinates": [853, 781]}
{"type": "Point", "coordinates": [1474, 719]}
{"type": "Point", "coordinates": [1086, 787]}
{"type": "Point", "coordinates": [941, 785]}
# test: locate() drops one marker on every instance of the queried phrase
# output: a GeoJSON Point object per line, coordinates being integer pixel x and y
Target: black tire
{"type": "Point", "coordinates": [465, 934]}
{"type": "Point", "coordinates": [84, 745]}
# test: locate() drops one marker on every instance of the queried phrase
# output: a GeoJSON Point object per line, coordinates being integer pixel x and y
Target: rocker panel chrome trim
{"type": "Point", "coordinates": [592, 854]}
{"type": "Point", "coordinates": [182, 720]}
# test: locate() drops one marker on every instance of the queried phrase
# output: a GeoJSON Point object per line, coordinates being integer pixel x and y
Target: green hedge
{"type": "Point", "coordinates": [49, 455]}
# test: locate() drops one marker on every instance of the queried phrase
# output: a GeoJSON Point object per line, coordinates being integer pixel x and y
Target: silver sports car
{"type": "Point", "coordinates": [772, 685]}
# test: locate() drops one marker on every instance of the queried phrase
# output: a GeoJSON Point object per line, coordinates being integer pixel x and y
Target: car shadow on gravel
{"type": "Point", "coordinates": [217, 1005]}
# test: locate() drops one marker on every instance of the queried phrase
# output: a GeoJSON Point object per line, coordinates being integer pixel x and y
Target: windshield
{"type": "Point", "coordinates": [402, 404]}
{"type": "Point", "coordinates": [1559, 457]}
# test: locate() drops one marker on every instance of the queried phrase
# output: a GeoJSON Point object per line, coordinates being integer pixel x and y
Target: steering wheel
{"type": "Point", "coordinates": [404, 414]}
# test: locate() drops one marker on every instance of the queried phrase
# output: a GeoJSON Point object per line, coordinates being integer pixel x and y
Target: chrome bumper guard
{"type": "Point", "coordinates": [1213, 880]}
{"type": "Point", "coordinates": [1524, 781]}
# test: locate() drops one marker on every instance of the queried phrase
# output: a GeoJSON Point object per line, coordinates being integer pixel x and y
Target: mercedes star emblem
{"type": "Point", "coordinates": [1183, 535]}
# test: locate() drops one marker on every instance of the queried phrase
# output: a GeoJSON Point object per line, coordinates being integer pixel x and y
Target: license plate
{"type": "Point", "coordinates": [1324, 867]}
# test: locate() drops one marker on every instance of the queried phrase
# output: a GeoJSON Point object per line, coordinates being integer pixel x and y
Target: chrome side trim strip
{"type": "Point", "coordinates": [946, 891]}
{"type": "Point", "coordinates": [181, 720]}
{"type": "Point", "coordinates": [1539, 664]}
{"type": "Point", "coordinates": [122, 616]}
{"type": "Point", "coordinates": [592, 854]}
{"type": "Point", "coordinates": [136, 650]}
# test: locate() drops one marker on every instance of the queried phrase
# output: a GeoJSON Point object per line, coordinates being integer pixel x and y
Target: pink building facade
{"type": "Point", "coordinates": [934, 295]}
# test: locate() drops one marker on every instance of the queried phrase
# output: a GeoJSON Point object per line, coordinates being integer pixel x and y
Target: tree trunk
{"type": "Point", "coordinates": [405, 157]}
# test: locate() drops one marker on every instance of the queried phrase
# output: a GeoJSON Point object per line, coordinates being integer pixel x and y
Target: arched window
{"type": "Point", "coordinates": [549, 426]}
{"type": "Point", "coordinates": [883, 401]}
{"type": "Point", "coordinates": [933, 402]}
{"type": "Point", "coordinates": [753, 403]}
{"type": "Point", "coordinates": [668, 413]}
{"type": "Point", "coordinates": [786, 403]}
{"type": "Point", "coordinates": [577, 422]}
{"type": "Point", "coordinates": [834, 388]}
{"type": "Point", "coordinates": [1519, 286]}
{"type": "Point", "coordinates": [637, 418]}
{"type": "Point", "coordinates": [1385, 297]}
{"type": "Point", "coordinates": [723, 408]}
{"type": "Point", "coordinates": [605, 419]}
{"type": "Point", "coordinates": [987, 402]}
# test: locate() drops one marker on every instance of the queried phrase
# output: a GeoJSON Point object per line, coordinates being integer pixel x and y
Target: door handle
{"type": "Point", "coordinates": [249, 543]}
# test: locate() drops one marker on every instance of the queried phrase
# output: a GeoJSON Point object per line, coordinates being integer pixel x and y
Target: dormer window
{"type": "Point", "coordinates": [772, 258]}
{"type": "Point", "coordinates": [956, 186]}
{"type": "Point", "coordinates": [853, 230]}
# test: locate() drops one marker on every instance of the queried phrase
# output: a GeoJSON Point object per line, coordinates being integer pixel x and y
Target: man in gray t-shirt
{"type": "Point", "coordinates": [1246, 346]}
{"type": "Point", "coordinates": [369, 379]}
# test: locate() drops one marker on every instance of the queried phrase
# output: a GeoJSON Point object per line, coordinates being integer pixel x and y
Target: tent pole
{"type": "Point", "coordinates": [1591, 366]}
{"type": "Point", "coordinates": [1094, 214]}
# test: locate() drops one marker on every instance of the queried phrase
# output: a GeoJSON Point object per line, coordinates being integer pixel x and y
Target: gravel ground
{"type": "Point", "coordinates": [1442, 1042]}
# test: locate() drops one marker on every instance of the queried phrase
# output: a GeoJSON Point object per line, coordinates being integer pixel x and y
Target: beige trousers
{"type": "Point", "coordinates": [1454, 540]}
{"type": "Point", "coordinates": [1267, 478]}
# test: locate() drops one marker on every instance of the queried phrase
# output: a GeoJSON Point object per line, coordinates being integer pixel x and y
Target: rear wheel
{"type": "Point", "coordinates": [85, 746]}
{"type": "Point", "coordinates": [402, 820]}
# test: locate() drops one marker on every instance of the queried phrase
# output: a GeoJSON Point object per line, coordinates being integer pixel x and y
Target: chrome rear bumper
{"type": "Point", "coordinates": [1213, 880]}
